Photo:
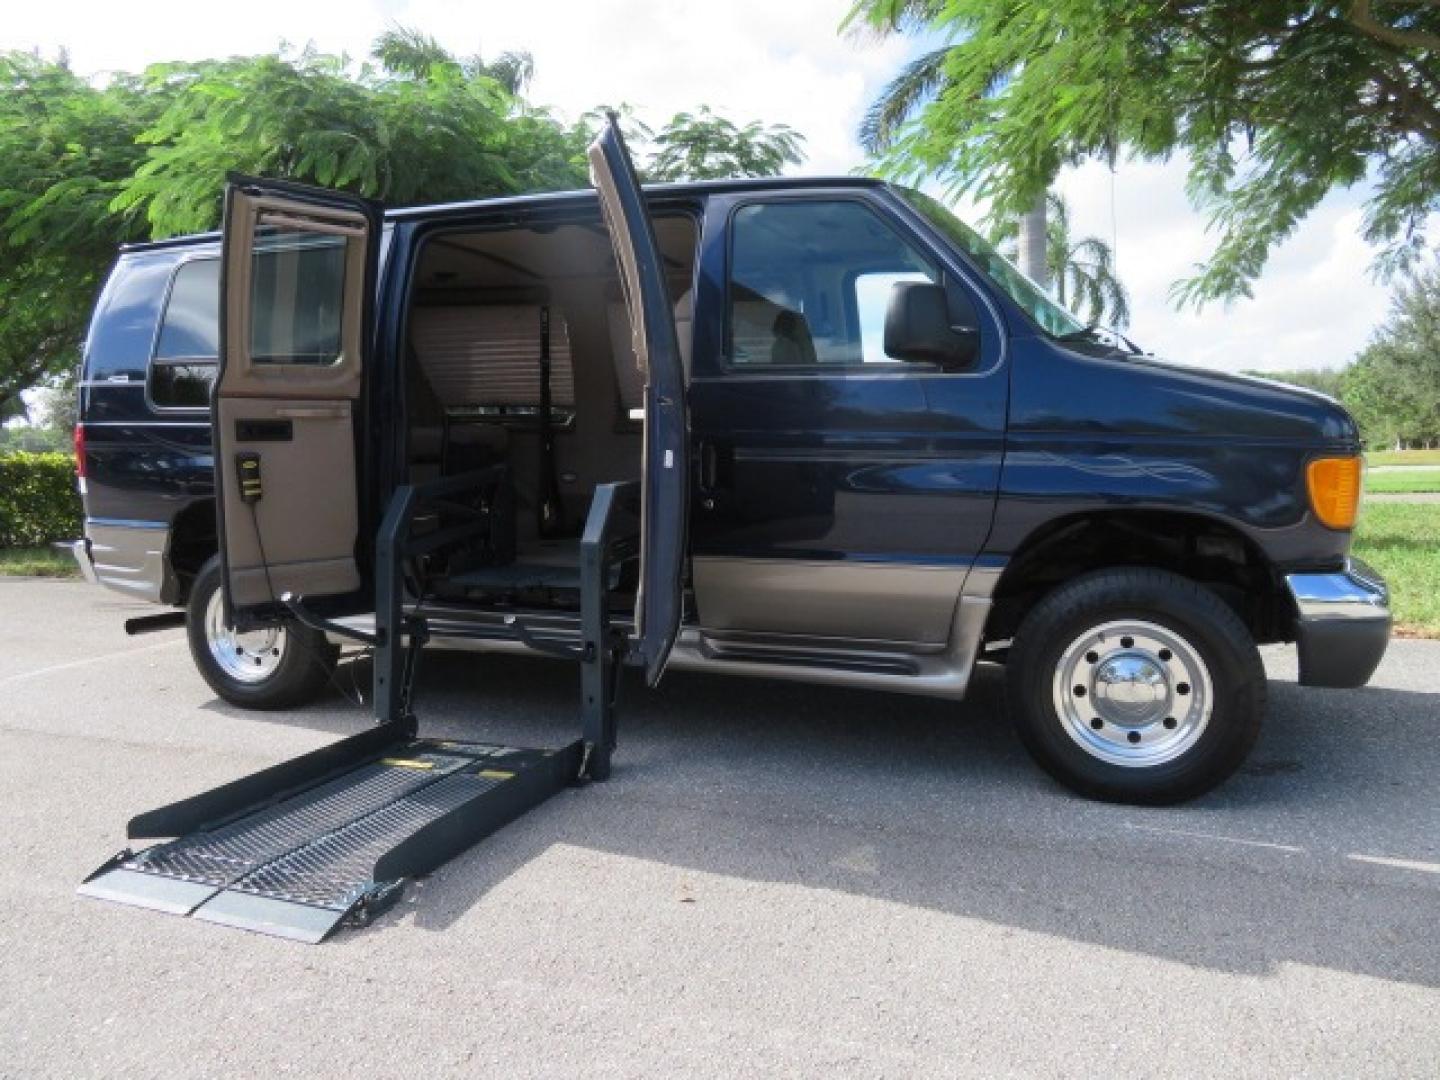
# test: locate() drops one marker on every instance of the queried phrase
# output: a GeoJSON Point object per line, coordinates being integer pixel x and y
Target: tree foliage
{"type": "Point", "coordinates": [1275, 103]}
{"type": "Point", "coordinates": [1325, 380]}
{"type": "Point", "coordinates": [1393, 388]}
{"type": "Point", "coordinates": [704, 146]}
{"type": "Point", "coordinates": [426, 129]}
{"type": "Point", "coordinates": [87, 166]}
{"type": "Point", "coordinates": [66, 150]}
{"type": "Point", "coordinates": [1081, 269]}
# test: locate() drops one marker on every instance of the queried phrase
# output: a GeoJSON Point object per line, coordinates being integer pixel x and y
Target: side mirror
{"type": "Point", "coordinates": [919, 327]}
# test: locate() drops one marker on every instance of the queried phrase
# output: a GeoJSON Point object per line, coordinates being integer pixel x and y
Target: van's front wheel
{"type": "Point", "coordinates": [271, 668]}
{"type": "Point", "coordinates": [1136, 685]}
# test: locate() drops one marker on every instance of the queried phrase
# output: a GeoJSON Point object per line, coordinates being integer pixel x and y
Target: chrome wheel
{"type": "Point", "coordinates": [250, 657]}
{"type": "Point", "coordinates": [1132, 693]}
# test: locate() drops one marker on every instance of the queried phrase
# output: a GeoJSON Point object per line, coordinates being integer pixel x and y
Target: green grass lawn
{"type": "Point", "coordinates": [37, 562]}
{"type": "Point", "coordinates": [1402, 541]}
{"type": "Point", "coordinates": [1403, 457]}
{"type": "Point", "coordinates": [1410, 480]}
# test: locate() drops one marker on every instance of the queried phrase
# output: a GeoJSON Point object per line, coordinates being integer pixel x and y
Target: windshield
{"type": "Point", "coordinates": [1052, 318]}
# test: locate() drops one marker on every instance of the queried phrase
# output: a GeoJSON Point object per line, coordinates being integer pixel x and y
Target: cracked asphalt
{"type": "Point", "coordinates": [779, 879]}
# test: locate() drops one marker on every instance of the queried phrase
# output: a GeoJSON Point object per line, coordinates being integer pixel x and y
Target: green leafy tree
{"type": "Point", "coordinates": [703, 146]}
{"type": "Point", "coordinates": [1393, 388]}
{"type": "Point", "coordinates": [1080, 270]}
{"type": "Point", "coordinates": [409, 52]}
{"type": "Point", "coordinates": [66, 150]}
{"type": "Point", "coordinates": [1275, 104]}
{"type": "Point", "coordinates": [425, 128]}
{"type": "Point", "coordinates": [87, 166]}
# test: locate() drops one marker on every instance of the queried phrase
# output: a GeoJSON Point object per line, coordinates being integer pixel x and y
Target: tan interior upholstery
{"type": "Point", "coordinates": [466, 353]}
{"type": "Point", "coordinates": [627, 372]}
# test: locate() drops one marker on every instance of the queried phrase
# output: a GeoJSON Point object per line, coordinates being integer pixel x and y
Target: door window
{"type": "Point", "coordinates": [297, 298]}
{"type": "Point", "coordinates": [810, 282]}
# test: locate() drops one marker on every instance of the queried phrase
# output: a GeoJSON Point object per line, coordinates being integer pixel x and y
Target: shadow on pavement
{"type": "Point", "coordinates": [928, 803]}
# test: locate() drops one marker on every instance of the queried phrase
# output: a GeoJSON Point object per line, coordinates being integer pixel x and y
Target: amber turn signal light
{"type": "Point", "coordinates": [1334, 484]}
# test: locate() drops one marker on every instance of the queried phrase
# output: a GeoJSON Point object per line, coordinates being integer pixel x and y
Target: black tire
{"type": "Point", "coordinates": [1049, 652]}
{"type": "Point", "coordinates": [305, 664]}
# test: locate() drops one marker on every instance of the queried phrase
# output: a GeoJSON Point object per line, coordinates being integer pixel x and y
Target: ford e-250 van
{"type": "Point", "coordinates": [856, 446]}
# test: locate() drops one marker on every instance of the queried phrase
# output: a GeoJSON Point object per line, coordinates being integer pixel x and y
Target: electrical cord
{"type": "Point", "coordinates": [358, 698]}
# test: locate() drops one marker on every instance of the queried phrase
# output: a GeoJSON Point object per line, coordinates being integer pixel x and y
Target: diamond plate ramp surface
{"type": "Point", "coordinates": [299, 865]}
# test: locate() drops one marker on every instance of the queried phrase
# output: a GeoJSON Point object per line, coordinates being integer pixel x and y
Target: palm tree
{"type": "Point", "coordinates": [1081, 271]}
{"type": "Point", "coordinates": [409, 53]}
{"type": "Point", "coordinates": [919, 82]}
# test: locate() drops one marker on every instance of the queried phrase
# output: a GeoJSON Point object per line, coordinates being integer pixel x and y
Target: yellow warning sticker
{"type": "Point", "coordinates": [495, 774]}
{"type": "Point", "coordinates": [407, 763]}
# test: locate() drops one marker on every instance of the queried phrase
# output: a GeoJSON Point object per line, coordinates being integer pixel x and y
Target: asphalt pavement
{"type": "Point", "coordinates": [779, 879]}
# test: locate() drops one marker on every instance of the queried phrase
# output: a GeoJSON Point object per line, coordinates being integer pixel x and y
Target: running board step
{"type": "Point", "coordinates": [331, 837]}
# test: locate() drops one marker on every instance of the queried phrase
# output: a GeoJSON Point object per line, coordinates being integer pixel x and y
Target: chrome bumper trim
{"type": "Point", "coordinates": [129, 557]}
{"type": "Point", "coordinates": [1357, 592]}
{"type": "Point", "coordinates": [80, 551]}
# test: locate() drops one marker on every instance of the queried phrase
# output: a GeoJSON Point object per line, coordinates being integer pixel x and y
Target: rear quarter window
{"type": "Point", "coordinates": [187, 343]}
{"type": "Point", "coordinates": [123, 329]}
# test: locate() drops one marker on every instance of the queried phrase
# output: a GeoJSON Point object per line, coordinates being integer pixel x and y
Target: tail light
{"type": "Point", "coordinates": [80, 451]}
{"type": "Point", "coordinates": [1334, 485]}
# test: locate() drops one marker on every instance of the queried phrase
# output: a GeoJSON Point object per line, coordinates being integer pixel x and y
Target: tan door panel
{"type": "Point", "coordinates": [309, 528]}
{"type": "Point", "coordinates": [244, 375]}
{"type": "Point", "coordinates": [298, 271]}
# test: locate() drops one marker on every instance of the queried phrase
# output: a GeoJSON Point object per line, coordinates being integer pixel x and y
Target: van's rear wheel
{"type": "Point", "coordinates": [1137, 686]}
{"type": "Point", "coordinates": [271, 668]}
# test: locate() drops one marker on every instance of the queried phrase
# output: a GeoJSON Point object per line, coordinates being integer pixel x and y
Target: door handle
{"type": "Point", "coordinates": [715, 466]}
{"type": "Point", "coordinates": [709, 467]}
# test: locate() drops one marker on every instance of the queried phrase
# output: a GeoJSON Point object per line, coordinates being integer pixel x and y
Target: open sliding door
{"type": "Point", "coordinates": [298, 277]}
{"type": "Point", "coordinates": [665, 500]}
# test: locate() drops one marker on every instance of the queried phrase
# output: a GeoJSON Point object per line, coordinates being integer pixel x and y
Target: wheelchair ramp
{"type": "Point", "coordinates": [330, 838]}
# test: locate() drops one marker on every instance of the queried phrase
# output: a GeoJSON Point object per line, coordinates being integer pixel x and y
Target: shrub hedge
{"type": "Point", "coordinates": [38, 499]}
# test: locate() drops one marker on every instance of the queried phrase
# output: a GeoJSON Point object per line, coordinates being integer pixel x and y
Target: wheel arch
{"type": "Point", "coordinates": [193, 541]}
{"type": "Point", "coordinates": [1205, 549]}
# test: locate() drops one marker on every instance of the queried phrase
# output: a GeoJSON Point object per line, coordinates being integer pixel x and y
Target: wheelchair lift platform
{"type": "Point", "coordinates": [330, 838]}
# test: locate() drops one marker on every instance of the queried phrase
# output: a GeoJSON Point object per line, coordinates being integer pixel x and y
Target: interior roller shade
{"type": "Point", "coordinates": [491, 355]}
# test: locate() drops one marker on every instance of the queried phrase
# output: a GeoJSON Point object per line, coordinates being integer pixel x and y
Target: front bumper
{"type": "Point", "coordinates": [1342, 624]}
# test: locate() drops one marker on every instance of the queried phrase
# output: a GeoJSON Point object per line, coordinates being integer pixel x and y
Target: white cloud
{"type": "Point", "coordinates": [781, 61]}
{"type": "Point", "coordinates": [1313, 307]}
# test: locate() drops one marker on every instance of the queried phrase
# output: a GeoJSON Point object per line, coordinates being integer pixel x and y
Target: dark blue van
{"type": "Point", "coordinates": [870, 453]}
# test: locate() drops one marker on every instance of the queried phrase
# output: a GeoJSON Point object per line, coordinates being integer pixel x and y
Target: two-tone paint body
{"type": "Point", "coordinates": [845, 525]}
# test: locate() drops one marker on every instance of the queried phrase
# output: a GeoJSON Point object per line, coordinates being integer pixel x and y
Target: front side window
{"type": "Point", "coordinates": [187, 346]}
{"type": "Point", "coordinates": [1050, 316]}
{"type": "Point", "coordinates": [810, 283]}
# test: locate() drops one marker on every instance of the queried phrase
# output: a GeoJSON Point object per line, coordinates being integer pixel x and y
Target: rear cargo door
{"type": "Point", "coordinates": [297, 284]}
{"type": "Point", "coordinates": [657, 350]}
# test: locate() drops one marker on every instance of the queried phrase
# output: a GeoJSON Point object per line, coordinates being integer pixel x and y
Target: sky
{"type": "Point", "coordinates": [781, 61]}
